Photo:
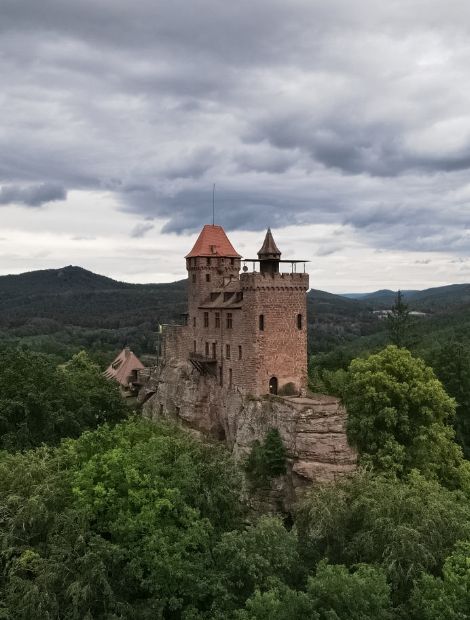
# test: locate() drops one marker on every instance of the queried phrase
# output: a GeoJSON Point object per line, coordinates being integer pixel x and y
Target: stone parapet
{"type": "Point", "coordinates": [262, 281]}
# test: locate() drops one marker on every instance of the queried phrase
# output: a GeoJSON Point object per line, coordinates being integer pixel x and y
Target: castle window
{"type": "Point", "coordinates": [194, 321]}
{"type": "Point", "coordinates": [214, 354]}
{"type": "Point", "coordinates": [206, 319]}
{"type": "Point", "coordinates": [261, 322]}
{"type": "Point", "coordinates": [227, 296]}
{"type": "Point", "coordinates": [239, 351]}
{"type": "Point", "coordinates": [217, 319]}
{"type": "Point", "coordinates": [299, 321]}
{"type": "Point", "coordinates": [214, 296]}
{"type": "Point", "coordinates": [208, 260]}
{"type": "Point", "coordinates": [194, 277]}
{"type": "Point", "coordinates": [208, 277]}
{"type": "Point", "coordinates": [230, 377]}
{"type": "Point", "coordinates": [227, 351]}
{"type": "Point", "coordinates": [229, 320]}
{"type": "Point", "coordinates": [221, 376]}
{"type": "Point", "coordinates": [232, 261]}
{"type": "Point", "coordinates": [207, 349]}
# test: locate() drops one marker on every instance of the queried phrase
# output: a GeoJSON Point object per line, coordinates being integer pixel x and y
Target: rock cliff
{"type": "Point", "coordinates": [312, 428]}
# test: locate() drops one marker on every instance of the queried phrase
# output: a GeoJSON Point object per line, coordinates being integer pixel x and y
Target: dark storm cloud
{"type": "Point", "coordinates": [33, 196]}
{"type": "Point", "coordinates": [301, 112]}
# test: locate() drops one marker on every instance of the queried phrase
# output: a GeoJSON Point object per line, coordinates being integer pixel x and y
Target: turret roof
{"type": "Point", "coordinates": [269, 247]}
{"type": "Point", "coordinates": [213, 241]}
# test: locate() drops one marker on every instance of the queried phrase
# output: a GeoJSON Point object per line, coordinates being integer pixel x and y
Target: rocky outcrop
{"type": "Point", "coordinates": [312, 428]}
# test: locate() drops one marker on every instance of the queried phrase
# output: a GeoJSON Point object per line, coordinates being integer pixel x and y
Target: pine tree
{"type": "Point", "coordinates": [398, 322]}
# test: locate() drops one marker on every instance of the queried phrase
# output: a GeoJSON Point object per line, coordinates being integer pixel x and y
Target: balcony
{"type": "Point", "coordinates": [203, 364]}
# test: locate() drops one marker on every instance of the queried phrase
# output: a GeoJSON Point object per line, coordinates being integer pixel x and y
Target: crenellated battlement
{"type": "Point", "coordinates": [263, 281]}
{"type": "Point", "coordinates": [249, 329]}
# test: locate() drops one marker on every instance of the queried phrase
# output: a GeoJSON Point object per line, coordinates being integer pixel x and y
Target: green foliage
{"type": "Point", "coordinates": [333, 593]}
{"type": "Point", "coordinates": [406, 527]}
{"type": "Point", "coordinates": [399, 416]}
{"type": "Point", "coordinates": [266, 460]}
{"type": "Point", "coordinates": [41, 402]}
{"type": "Point", "coordinates": [398, 322]}
{"type": "Point", "coordinates": [448, 596]}
{"type": "Point", "coordinates": [252, 558]}
{"type": "Point", "coordinates": [451, 362]}
{"type": "Point", "coordinates": [119, 523]}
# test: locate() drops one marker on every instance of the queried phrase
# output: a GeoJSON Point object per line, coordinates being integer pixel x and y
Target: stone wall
{"type": "Point", "coordinates": [312, 428]}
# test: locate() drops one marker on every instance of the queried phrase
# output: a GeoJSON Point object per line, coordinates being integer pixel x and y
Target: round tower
{"type": "Point", "coordinates": [211, 264]}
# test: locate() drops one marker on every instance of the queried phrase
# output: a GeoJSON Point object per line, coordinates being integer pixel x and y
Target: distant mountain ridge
{"type": "Point", "coordinates": [436, 299]}
{"type": "Point", "coordinates": [73, 296]}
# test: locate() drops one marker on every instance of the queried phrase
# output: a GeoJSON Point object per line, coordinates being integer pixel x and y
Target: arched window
{"type": "Point", "coordinates": [261, 322]}
{"type": "Point", "coordinates": [299, 321]}
{"type": "Point", "coordinates": [273, 385]}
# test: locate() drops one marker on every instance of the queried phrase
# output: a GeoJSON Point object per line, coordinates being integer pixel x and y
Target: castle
{"type": "Point", "coordinates": [249, 329]}
{"type": "Point", "coordinates": [237, 365]}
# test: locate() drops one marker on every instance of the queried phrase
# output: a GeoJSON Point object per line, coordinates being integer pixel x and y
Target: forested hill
{"type": "Point", "coordinates": [75, 307]}
{"type": "Point", "coordinates": [63, 310]}
{"type": "Point", "coordinates": [430, 300]}
{"type": "Point", "coordinates": [75, 296]}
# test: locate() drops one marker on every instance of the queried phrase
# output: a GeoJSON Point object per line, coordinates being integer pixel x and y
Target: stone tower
{"type": "Point", "coordinates": [248, 330]}
{"type": "Point", "coordinates": [275, 316]}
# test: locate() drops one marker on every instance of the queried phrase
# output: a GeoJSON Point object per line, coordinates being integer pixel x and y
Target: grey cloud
{"type": "Point", "coordinates": [33, 196]}
{"type": "Point", "coordinates": [140, 230]}
{"type": "Point", "coordinates": [300, 112]}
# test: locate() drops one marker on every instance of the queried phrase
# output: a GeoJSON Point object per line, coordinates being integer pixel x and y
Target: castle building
{"type": "Point", "coordinates": [248, 329]}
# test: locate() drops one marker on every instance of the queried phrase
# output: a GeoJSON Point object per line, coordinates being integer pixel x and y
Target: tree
{"type": "Point", "coordinates": [120, 523]}
{"type": "Point", "coordinates": [407, 527]}
{"type": "Point", "coordinates": [333, 593]}
{"type": "Point", "coordinates": [399, 416]}
{"type": "Point", "coordinates": [398, 321]}
{"type": "Point", "coordinates": [451, 362]}
{"type": "Point", "coordinates": [267, 460]}
{"type": "Point", "coordinates": [41, 402]}
{"type": "Point", "coordinates": [448, 596]}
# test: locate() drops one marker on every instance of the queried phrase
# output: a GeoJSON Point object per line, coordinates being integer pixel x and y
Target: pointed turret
{"type": "Point", "coordinates": [269, 255]}
{"type": "Point", "coordinates": [213, 241]}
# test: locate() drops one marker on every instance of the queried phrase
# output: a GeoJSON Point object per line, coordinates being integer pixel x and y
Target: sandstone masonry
{"type": "Point", "coordinates": [237, 366]}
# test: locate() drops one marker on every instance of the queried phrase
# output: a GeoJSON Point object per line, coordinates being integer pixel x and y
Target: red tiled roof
{"type": "Point", "coordinates": [213, 241]}
{"type": "Point", "coordinates": [121, 368]}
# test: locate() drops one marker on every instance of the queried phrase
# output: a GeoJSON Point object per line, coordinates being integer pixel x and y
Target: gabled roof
{"type": "Point", "coordinates": [269, 248]}
{"type": "Point", "coordinates": [121, 368]}
{"type": "Point", "coordinates": [213, 241]}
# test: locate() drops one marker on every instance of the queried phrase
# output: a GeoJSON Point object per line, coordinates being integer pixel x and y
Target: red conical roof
{"type": "Point", "coordinates": [213, 241]}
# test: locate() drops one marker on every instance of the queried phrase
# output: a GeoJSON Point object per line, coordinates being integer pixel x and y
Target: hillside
{"type": "Point", "coordinates": [431, 300]}
{"type": "Point", "coordinates": [73, 307]}
{"type": "Point", "coordinates": [75, 296]}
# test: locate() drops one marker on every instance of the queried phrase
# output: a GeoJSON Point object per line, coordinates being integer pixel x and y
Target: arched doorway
{"type": "Point", "coordinates": [273, 385]}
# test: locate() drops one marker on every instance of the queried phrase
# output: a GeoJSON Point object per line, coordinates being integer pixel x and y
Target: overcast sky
{"type": "Point", "coordinates": [342, 124]}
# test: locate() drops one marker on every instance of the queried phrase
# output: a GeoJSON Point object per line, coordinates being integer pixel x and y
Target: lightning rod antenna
{"type": "Point", "coordinates": [213, 204]}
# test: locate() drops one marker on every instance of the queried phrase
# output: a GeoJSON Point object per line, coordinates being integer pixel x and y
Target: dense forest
{"type": "Point", "coordinates": [106, 515]}
{"type": "Point", "coordinates": [61, 311]}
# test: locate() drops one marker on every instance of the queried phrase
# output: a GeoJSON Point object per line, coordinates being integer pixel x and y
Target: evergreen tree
{"type": "Point", "coordinates": [398, 321]}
